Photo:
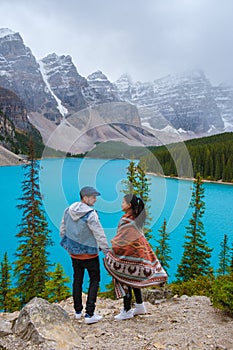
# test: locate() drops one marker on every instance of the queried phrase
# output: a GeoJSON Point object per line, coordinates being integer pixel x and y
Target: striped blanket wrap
{"type": "Point", "coordinates": [131, 261]}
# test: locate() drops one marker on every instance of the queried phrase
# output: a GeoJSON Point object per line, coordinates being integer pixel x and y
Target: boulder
{"type": "Point", "coordinates": [43, 323]}
{"type": "Point", "coordinates": [5, 328]}
{"type": "Point", "coordinates": [157, 295]}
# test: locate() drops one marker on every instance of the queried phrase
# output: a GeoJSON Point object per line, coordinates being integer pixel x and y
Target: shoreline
{"type": "Point", "coordinates": [17, 160]}
{"type": "Point", "coordinates": [8, 158]}
{"type": "Point", "coordinates": [219, 182]}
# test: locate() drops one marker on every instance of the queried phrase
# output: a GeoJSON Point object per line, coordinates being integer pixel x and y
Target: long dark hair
{"type": "Point", "coordinates": [138, 208]}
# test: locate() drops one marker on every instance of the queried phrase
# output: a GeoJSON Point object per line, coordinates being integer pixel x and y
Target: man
{"type": "Point", "coordinates": [83, 237]}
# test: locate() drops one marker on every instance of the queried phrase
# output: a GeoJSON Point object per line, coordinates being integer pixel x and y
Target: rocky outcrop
{"type": "Point", "coordinates": [13, 109]}
{"type": "Point", "coordinates": [13, 119]}
{"type": "Point", "coordinates": [170, 324]}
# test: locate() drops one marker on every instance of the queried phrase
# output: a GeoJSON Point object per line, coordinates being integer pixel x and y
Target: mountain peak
{"type": "Point", "coordinates": [125, 78]}
{"type": "Point", "coordinates": [5, 32]}
{"type": "Point", "coordinates": [98, 75]}
{"type": "Point", "coordinates": [53, 57]}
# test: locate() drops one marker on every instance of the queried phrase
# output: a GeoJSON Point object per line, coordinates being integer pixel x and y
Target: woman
{"type": "Point", "coordinates": [131, 261]}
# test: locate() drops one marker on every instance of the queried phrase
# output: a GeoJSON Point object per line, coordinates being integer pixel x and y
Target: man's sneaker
{"type": "Point", "coordinates": [92, 319]}
{"type": "Point", "coordinates": [78, 315]}
{"type": "Point", "coordinates": [139, 309]}
{"type": "Point", "coordinates": [124, 315]}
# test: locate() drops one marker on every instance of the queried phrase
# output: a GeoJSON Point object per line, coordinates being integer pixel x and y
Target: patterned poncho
{"type": "Point", "coordinates": [131, 261]}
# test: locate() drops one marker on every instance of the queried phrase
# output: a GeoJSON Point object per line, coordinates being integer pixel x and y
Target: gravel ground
{"type": "Point", "coordinates": [186, 323]}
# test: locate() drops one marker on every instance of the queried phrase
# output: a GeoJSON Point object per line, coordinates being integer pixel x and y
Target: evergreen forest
{"type": "Point", "coordinates": [211, 156]}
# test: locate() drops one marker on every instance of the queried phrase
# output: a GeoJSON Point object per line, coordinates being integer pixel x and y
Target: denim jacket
{"type": "Point", "coordinates": [81, 231]}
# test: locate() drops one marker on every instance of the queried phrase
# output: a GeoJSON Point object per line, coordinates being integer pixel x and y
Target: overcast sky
{"type": "Point", "coordinates": [147, 39]}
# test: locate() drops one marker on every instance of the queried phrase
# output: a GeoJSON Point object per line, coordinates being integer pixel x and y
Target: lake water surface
{"type": "Point", "coordinates": [61, 179]}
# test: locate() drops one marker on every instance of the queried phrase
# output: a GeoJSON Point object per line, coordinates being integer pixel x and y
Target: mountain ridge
{"type": "Point", "coordinates": [172, 108]}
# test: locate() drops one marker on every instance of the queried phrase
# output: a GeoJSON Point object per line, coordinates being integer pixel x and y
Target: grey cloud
{"type": "Point", "coordinates": [147, 39]}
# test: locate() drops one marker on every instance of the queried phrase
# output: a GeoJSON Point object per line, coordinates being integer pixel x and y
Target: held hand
{"type": "Point", "coordinates": [105, 251]}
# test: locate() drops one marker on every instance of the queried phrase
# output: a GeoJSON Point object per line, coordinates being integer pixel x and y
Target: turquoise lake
{"type": "Point", "coordinates": [61, 179]}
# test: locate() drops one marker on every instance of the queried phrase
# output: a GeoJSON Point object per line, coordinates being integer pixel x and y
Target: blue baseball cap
{"type": "Point", "coordinates": [89, 191]}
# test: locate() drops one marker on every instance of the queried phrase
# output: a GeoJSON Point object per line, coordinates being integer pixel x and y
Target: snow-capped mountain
{"type": "Point", "coordinates": [161, 111]}
{"type": "Point", "coordinates": [186, 102]}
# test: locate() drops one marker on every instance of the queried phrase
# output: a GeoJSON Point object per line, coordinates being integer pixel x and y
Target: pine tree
{"type": "Point", "coordinates": [131, 182]}
{"type": "Point", "coordinates": [231, 262]}
{"type": "Point", "coordinates": [8, 301]}
{"type": "Point", "coordinates": [55, 288]}
{"type": "Point", "coordinates": [163, 250]}
{"type": "Point", "coordinates": [196, 256]}
{"type": "Point", "coordinates": [142, 190]}
{"type": "Point", "coordinates": [142, 183]}
{"type": "Point", "coordinates": [224, 257]}
{"type": "Point", "coordinates": [5, 282]}
{"type": "Point", "coordinates": [32, 264]}
{"type": "Point", "coordinates": [138, 183]}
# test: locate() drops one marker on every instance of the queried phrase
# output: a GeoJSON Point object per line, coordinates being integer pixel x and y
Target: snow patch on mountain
{"type": "Point", "coordinates": [228, 127]}
{"type": "Point", "coordinates": [5, 32]}
{"type": "Point", "coordinates": [44, 72]}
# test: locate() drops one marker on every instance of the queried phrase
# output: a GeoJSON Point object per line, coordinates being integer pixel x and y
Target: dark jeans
{"type": "Point", "coordinates": [128, 298]}
{"type": "Point", "coordinates": [93, 269]}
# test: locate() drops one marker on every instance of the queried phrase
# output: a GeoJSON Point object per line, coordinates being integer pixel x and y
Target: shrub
{"type": "Point", "coordinates": [201, 285]}
{"type": "Point", "coordinates": [222, 292]}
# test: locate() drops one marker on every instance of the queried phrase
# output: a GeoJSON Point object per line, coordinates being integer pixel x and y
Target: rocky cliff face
{"type": "Point", "coordinates": [105, 90]}
{"type": "Point", "coordinates": [14, 109]}
{"type": "Point", "coordinates": [13, 116]}
{"type": "Point", "coordinates": [20, 72]}
{"type": "Point", "coordinates": [64, 83]}
{"type": "Point", "coordinates": [223, 96]}
{"type": "Point", "coordinates": [185, 102]}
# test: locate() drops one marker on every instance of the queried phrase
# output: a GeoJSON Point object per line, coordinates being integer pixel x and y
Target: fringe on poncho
{"type": "Point", "coordinates": [131, 261]}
